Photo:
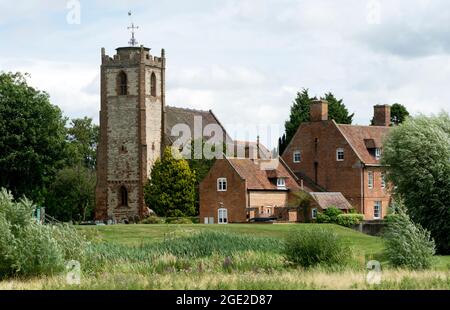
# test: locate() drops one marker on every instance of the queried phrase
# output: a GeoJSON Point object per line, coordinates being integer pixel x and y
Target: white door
{"type": "Point", "coordinates": [222, 216]}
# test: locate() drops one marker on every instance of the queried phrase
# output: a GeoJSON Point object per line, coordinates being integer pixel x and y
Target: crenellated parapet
{"type": "Point", "coordinates": [129, 56]}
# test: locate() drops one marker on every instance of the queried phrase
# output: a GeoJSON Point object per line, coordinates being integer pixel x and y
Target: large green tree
{"type": "Point", "coordinates": [300, 113]}
{"type": "Point", "coordinates": [82, 136]}
{"type": "Point", "coordinates": [32, 137]}
{"type": "Point", "coordinates": [399, 113]}
{"type": "Point", "coordinates": [417, 157]}
{"type": "Point", "coordinates": [71, 195]}
{"type": "Point", "coordinates": [170, 190]}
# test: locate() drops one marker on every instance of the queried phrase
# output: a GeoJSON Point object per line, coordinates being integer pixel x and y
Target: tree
{"type": "Point", "coordinates": [300, 113]}
{"type": "Point", "coordinates": [417, 157]}
{"type": "Point", "coordinates": [407, 243]}
{"type": "Point", "coordinates": [32, 137]}
{"type": "Point", "coordinates": [200, 167]}
{"type": "Point", "coordinates": [170, 190]}
{"type": "Point", "coordinates": [71, 194]}
{"type": "Point", "coordinates": [398, 114]}
{"type": "Point", "coordinates": [83, 139]}
{"type": "Point", "coordinates": [337, 110]}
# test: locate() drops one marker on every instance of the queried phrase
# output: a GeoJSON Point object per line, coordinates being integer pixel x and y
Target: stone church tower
{"type": "Point", "coordinates": [131, 130]}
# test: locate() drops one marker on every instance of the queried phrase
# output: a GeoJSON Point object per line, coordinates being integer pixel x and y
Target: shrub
{"type": "Point", "coordinates": [153, 219]}
{"type": "Point", "coordinates": [333, 213]}
{"type": "Point", "coordinates": [330, 215]}
{"type": "Point", "coordinates": [408, 244]}
{"type": "Point", "coordinates": [316, 246]}
{"type": "Point", "coordinates": [179, 220]}
{"type": "Point", "coordinates": [349, 220]}
{"type": "Point", "coordinates": [29, 248]}
{"type": "Point", "coordinates": [323, 218]}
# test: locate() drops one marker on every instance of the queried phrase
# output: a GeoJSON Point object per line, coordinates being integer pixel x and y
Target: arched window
{"type": "Point", "coordinates": [122, 81]}
{"type": "Point", "coordinates": [153, 84]}
{"type": "Point", "coordinates": [123, 196]}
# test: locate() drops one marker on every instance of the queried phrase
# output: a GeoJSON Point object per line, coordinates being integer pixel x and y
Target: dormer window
{"type": "Point", "coordinates": [281, 183]}
{"type": "Point", "coordinates": [377, 153]}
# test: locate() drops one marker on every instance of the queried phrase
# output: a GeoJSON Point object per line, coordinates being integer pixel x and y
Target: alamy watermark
{"type": "Point", "coordinates": [73, 272]}
{"type": "Point", "coordinates": [73, 16]}
{"type": "Point", "coordinates": [373, 12]}
{"type": "Point", "coordinates": [374, 275]}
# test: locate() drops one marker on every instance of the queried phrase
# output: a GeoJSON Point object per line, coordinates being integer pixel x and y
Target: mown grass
{"type": "Point", "coordinates": [225, 257]}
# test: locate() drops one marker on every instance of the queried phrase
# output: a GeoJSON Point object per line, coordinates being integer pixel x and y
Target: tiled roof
{"type": "Point", "coordinates": [359, 137]}
{"type": "Point", "coordinates": [255, 173]}
{"type": "Point", "coordinates": [327, 200]}
{"type": "Point", "coordinates": [174, 116]}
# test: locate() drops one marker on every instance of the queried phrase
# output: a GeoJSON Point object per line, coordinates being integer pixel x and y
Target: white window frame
{"type": "Point", "coordinates": [314, 212]}
{"type": "Point", "coordinates": [281, 183]}
{"type": "Point", "coordinates": [222, 214]}
{"type": "Point", "coordinates": [340, 151]}
{"type": "Point", "coordinates": [377, 209]}
{"type": "Point", "coordinates": [222, 185]}
{"type": "Point", "coordinates": [377, 153]}
{"type": "Point", "coordinates": [295, 160]}
{"type": "Point", "coordinates": [383, 180]}
{"type": "Point", "coordinates": [370, 179]}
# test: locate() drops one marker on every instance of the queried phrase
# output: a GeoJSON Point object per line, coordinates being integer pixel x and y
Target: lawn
{"type": "Point", "coordinates": [138, 234]}
{"type": "Point", "coordinates": [234, 256]}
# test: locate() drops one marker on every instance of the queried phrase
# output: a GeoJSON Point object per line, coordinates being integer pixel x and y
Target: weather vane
{"type": "Point", "coordinates": [132, 41]}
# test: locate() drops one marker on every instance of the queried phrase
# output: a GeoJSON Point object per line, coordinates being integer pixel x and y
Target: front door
{"type": "Point", "coordinates": [222, 216]}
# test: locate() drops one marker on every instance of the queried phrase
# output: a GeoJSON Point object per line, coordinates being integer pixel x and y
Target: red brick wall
{"type": "Point", "coordinates": [332, 175]}
{"type": "Point", "coordinates": [377, 193]}
{"type": "Point", "coordinates": [234, 199]}
{"type": "Point", "coordinates": [345, 176]}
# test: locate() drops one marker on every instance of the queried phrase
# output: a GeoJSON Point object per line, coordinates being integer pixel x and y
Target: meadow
{"type": "Point", "coordinates": [235, 256]}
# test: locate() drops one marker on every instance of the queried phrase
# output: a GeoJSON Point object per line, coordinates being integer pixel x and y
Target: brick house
{"type": "Point", "coordinates": [237, 190]}
{"type": "Point", "coordinates": [331, 157]}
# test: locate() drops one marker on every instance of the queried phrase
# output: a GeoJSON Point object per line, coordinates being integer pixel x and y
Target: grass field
{"type": "Point", "coordinates": [171, 257]}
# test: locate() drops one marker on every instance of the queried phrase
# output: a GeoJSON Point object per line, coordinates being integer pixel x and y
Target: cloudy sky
{"type": "Point", "coordinates": [244, 59]}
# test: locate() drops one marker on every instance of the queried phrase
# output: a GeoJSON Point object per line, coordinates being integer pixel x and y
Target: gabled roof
{"type": "Point", "coordinates": [175, 115]}
{"type": "Point", "coordinates": [360, 137]}
{"type": "Point", "coordinates": [326, 200]}
{"type": "Point", "coordinates": [255, 173]}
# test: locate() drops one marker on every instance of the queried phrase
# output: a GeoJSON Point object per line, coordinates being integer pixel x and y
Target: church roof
{"type": "Point", "coordinates": [175, 115]}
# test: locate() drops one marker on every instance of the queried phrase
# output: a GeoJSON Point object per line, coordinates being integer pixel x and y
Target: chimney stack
{"type": "Point", "coordinates": [319, 111]}
{"type": "Point", "coordinates": [382, 115]}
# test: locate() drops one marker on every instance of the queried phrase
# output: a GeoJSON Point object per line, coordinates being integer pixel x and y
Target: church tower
{"type": "Point", "coordinates": [131, 129]}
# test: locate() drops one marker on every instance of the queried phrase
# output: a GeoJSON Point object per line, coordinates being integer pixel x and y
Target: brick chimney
{"type": "Point", "coordinates": [382, 115]}
{"type": "Point", "coordinates": [319, 111]}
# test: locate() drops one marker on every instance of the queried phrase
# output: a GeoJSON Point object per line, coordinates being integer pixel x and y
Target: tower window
{"type": "Point", "coordinates": [123, 196]}
{"type": "Point", "coordinates": [122, 79]}
{"type": "Point", "coordinates": [153, 85]}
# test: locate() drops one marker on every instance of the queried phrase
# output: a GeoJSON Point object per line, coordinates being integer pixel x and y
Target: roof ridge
{"type": "Point", "coordinates": [367, 126]}
{"type": "Point", "coordinates": [188, 109]}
